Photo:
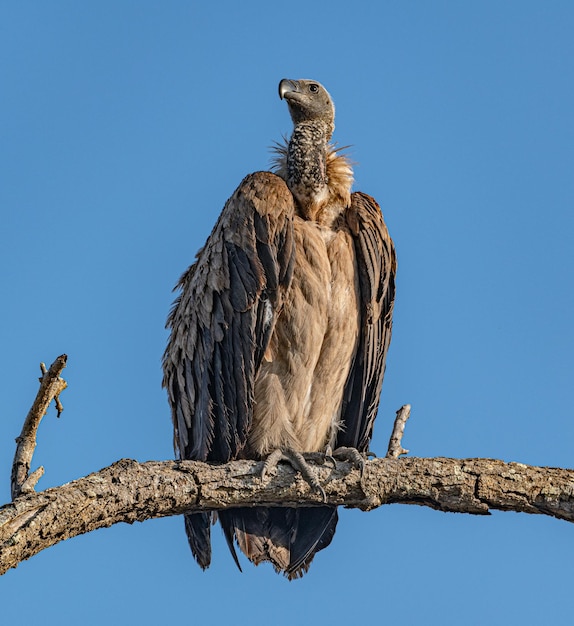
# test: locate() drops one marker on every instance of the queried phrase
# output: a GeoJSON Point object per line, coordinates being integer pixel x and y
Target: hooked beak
{"type": "Point", "coordinates": [286, 87]}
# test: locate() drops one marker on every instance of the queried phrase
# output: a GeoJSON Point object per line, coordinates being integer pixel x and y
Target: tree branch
{"type": "Point", "coordinates": [128, 491]}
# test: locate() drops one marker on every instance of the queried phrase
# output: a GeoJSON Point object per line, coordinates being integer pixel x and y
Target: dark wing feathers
{"type": "Point", "coordinates": [221, 322]}
{"type": "Point", "coordinates": [220, 327]}
{"type": "Point", "coordinates": [198, 531]}
{"type": "Point", "coordinates": [377, 264]}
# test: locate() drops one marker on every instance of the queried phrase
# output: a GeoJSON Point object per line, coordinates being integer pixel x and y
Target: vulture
{"type": "Point", "coordinates": [279, 335]}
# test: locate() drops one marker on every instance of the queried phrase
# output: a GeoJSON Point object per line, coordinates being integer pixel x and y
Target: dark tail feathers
{"type": "Point", "coordinates": [288, 538]}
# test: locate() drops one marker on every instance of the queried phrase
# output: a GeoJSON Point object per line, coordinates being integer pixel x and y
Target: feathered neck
{"type": "Point", "coordinates": [318, 175]}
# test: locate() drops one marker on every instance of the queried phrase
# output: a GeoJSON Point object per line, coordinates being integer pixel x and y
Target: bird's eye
{"type": "Point", "coordinates": [313, 88]}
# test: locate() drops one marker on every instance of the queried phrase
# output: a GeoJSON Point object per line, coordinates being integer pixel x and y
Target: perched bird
{"type": "Point", "coordinates": [280, 333]}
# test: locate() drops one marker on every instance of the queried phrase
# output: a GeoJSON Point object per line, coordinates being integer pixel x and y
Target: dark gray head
{"type": "Point", "coordinates": [308, 101]}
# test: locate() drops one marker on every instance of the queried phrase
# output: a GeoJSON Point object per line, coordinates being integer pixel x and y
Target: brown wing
{"type": "Point", "coordinates": [221, 322]}
{"type": "Point", "coordinates": [377, 265]}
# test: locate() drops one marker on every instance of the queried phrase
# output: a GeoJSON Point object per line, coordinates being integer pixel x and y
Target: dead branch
{"type": "Point", "coordinates": [51, 385]}
{"type": "Point", "coordinates": [128, 491]}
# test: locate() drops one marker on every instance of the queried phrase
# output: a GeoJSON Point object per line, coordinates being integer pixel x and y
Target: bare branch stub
{"type": "Point", "coordinates": [30, 482]}
{"type": "Point", "coordinates": [395, 448]}
{"type": "Point", "coordinates": [51, 385]}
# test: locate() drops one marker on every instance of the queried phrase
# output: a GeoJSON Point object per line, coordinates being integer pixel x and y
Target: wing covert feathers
{"type": "Point", "coordinates": [377, 265]}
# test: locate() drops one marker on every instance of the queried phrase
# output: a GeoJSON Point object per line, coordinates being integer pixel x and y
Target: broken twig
{"type": "Point", "coordinates": [395, 448]}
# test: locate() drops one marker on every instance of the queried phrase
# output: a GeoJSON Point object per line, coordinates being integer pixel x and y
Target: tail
{"type": "Point", "coordinates": [288, 538]}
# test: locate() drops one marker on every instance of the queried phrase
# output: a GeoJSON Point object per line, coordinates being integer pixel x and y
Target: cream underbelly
{"type": "Point", "coordinates": [299, 388]}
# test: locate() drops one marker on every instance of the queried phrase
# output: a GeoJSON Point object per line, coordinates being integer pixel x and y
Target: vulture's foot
{"type": "Point", "coordinates": [353, 456]}
{"type": "Point", "coordinates": [297, 462]}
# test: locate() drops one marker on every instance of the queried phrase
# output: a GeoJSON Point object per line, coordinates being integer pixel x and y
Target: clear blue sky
{"type": "Point", "coordinates": [124, 127]}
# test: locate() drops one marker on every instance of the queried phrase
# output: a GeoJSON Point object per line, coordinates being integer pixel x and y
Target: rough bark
{"type": "Point", "coordinates": [128, 491]}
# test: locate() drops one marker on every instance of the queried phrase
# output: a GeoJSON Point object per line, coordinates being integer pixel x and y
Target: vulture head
{"type": "Point", "coordinates": [308, 101]}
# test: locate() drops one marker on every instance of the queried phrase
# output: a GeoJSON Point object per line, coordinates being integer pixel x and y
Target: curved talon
{"type": "Point", "coordinates": [331, 459]}
{"type": "Point", "coordinates": [328, 457]}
